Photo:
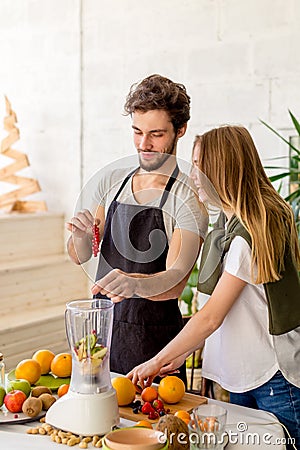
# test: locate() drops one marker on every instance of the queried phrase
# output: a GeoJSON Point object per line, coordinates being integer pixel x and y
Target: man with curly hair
{"type": "Point", "coordinates": [151, 226]}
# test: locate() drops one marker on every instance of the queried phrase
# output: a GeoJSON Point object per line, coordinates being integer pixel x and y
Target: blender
{"type": "Point", "coordinates": [90, 406]}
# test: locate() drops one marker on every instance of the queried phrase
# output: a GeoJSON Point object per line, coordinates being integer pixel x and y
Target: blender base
{"type": "Point", "coordinates": [85, 414]}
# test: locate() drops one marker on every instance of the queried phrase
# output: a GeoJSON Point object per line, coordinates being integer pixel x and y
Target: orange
{"type": "Point", "coordinates": [171, 389]}
{"type": "Point", "coordinates": [29, 369]}
{"type": "Point", "coordinates": [44, 358]}
{"type": "Point", "coordinates": [125, 390]}
{"type": "Point", "coordinates": [143, 423]}
{"type": "Point", "coordinates": [183, 415]}
{"type": "Point", "coordinates": [61, 365]}
{"type": "Point", "coordinates": [149, 394]}
{"type": "Point", "coordinates": [63, 389]}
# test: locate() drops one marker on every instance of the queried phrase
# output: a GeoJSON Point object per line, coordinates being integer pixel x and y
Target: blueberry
{"type": "Point", "coordinates": [162, 413]}
{"type": "Point", "coordinates": [137, 403]}
{"type": "Point", "coordinates": [135, 410]}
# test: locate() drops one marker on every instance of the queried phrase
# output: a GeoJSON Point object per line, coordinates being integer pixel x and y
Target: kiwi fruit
{"type": "Point", "coordinates": [47, 400]}
{"type": "Point", "coordinates": [39, 390]}
{"type": "Point", "coordinates": [32, 406]}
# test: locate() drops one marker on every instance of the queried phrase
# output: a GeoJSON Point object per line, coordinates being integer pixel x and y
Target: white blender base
{"type": "Point", "coordinates": [85, 414]}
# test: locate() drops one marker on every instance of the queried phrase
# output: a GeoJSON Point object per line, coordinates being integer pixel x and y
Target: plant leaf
{"type": "Point", "coordinates": [279, 176]}
{"type": "Point", "coordinates": [277, 157]}
{"type": "Point", "coordinates": [275, 167]}
{"type": "Point", "coordinates": [187, 295]}
{"type": "Point", "coordinates": [280, 187]}
{"type": "Point", "coordinates": [281, 137]}
{"type": "Point", "coordinates": [293, 197]}
{"type": "Point", "coordinates": [295, 122]}
{"type": "Point", "coordinates": [193, 278]}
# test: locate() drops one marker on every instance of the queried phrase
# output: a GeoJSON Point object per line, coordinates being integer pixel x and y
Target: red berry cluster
{"type": "Point", "coordinates": [96, 240]}
{"type": "Point", "coordinates": [154, 410]}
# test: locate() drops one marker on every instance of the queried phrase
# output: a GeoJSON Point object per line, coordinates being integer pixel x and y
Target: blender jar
{"type": "Point", "coordinates": [89, 329]}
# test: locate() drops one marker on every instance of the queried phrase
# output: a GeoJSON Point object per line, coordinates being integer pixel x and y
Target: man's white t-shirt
{"type": "Point", "coordinates": [242, 355]}
{"type": "Point", "coordinates": [181, 210]}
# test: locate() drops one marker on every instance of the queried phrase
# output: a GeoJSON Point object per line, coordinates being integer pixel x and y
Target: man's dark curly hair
{"type": "Point", "coordinates": [157, 92]}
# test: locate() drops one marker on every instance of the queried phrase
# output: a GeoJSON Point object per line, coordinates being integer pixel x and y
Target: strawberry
{"type": "Point", "coordinates": [153, 415]}
{"type": "Point", "coordinates": [147, 408]}
{"type": "Point", "coordinates": [157, 404]}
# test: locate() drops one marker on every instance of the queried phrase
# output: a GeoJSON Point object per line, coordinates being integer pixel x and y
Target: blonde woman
{"type": "Point", "coordinates": [251, 321]}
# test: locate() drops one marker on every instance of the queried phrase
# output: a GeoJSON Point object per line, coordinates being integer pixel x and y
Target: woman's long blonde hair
{"type": "Point", "coordinates": [228, 157]}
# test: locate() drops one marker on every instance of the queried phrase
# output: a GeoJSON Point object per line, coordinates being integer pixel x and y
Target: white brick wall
{"type": "Point", "coordinates": [239, 60]}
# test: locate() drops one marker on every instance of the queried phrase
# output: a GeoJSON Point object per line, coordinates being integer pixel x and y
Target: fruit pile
{"type": "Point", "coordinates": [44, 362]}
{"type": "Point", "coordinates": [30, 401]}
{"type": "Point", "coordinates": [152, 401]}
{"type": "Point", "coordinates": [152, 406]}
{"type": "Point", "coordinates": [21, 396]}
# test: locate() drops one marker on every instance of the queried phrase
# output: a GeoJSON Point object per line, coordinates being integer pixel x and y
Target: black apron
{"type": "Point", "coordinates": [135, 241]}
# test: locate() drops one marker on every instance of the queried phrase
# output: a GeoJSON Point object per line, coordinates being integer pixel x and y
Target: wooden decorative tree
{"type": "Point", "coordinates": [11, 201]}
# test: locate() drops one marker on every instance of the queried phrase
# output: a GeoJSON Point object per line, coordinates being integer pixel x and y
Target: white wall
{"type": "Point", "coordinates": [39, 73]}
{"type": "Point", "coordinates": [66, 66]}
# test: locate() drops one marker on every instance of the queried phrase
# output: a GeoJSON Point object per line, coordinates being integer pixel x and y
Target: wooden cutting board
{"type": "Point", "coordinates": [187, 403]}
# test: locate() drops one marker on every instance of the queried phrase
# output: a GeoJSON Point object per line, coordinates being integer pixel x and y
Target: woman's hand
{"type": "Point", "coordinates": [171, 367]}
{"type": "Point", "coordinates": [144, 374]}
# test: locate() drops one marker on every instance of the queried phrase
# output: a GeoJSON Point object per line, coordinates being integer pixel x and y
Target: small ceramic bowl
{"type": "Point", "coordinates": [135, 438]}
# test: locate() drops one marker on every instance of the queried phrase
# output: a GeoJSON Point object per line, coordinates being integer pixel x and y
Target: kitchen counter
{"type": "Point", "coordinates": [248, 429]}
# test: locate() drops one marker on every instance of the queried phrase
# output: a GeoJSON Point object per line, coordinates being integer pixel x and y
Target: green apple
{"type": "Point", "coordinates": [2, 395]}
{"type": "Point", "coordinates": [19, 385]}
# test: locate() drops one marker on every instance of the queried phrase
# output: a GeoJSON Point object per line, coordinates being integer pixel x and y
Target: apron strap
{"type": "Point", "coordinates": [123, 184]}
{"type": "Point", "coordinates": [168, 187]}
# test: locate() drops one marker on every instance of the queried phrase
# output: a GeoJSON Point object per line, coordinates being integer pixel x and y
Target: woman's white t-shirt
{"type": "Point", "coordinates": [242, 355]}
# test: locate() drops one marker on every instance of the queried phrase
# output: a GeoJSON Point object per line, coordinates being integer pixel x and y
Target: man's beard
{"type": "Point", "coordinates": [160, 158]}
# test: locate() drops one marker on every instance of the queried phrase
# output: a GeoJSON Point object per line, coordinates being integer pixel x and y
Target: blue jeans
{"type": "Point", "coordinates": [279, 397]}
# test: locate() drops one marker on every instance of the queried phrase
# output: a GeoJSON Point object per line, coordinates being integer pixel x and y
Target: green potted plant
{"type": "Point", "coordinates": [189, 293]}
{"type": "Point", "coordinates": [292, 171]}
